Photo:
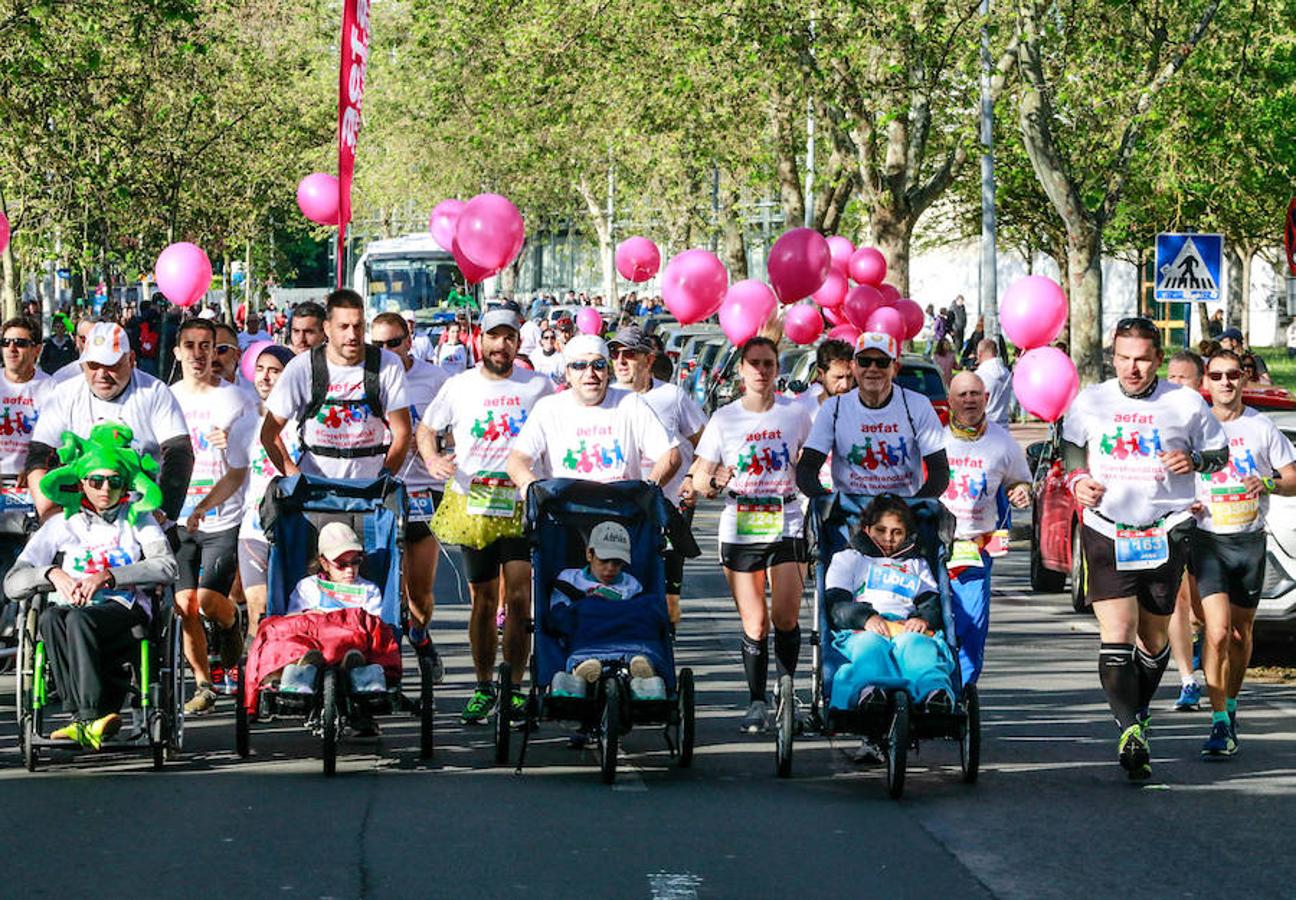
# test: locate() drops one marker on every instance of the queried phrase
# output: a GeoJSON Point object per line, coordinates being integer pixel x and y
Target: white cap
{"type": "Point", "coordinates": [209, 314]}
{"type": "Point", "coordinates": [336, 538]}
{"type": "Point", "coordinates": [585, 345]}
{"type": "Point", "coordinates": [106, 344]}
{"type": "Point", "coordinates": [878, 340]}
{"type": "Point", "coordinates": [609, 540]}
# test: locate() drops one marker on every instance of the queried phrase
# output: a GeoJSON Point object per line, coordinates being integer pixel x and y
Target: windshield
{"type": "Point", "coordinates": [923, 379]}
{"type": "Point", "coordinates": [416, 284]}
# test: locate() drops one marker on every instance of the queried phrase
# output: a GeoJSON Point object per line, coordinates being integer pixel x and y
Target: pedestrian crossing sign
{"type": "Point", "coordinates": [1189, 268]}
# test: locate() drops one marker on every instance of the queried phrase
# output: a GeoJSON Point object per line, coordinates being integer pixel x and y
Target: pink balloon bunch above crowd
{"type": "Point", "coordinates": [485, 234]}
{"type": "Point", "coordinates": [1033, 312]}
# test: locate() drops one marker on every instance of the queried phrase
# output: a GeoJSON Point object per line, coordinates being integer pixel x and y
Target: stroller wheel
{"type": "Point", "coordinates": [427, 707]}
{"type": "Point", "coordinates": [611, 730]}
{"type": "Point", "coordinates": [970, 745]}
{"type": "Point", "coordinates": [241, 727]}
{"type": "Point", "coordinates": [504, 691]}
{"type": "Point", "coordinates": [329, 720]}
{"type": "Point", "coordinates": [784, 726]}
{"type": "Point", "coordinates": [687, 718]}
{"type": "Point", "coordinates": [898, 746]}
{"type": "Point", "coordinates": [31, 759]}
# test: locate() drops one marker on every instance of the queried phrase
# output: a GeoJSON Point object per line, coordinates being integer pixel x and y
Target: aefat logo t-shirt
{"type": "Point", "coordinates": [978, 469]}
{"type": "Point", "coordinates": [1256, 448]}
{"type": "Point", "coordinates": [878, 451]}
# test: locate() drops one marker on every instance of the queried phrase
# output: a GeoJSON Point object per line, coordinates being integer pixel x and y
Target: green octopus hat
{"type": "Point", "coordinates": [107, 447]}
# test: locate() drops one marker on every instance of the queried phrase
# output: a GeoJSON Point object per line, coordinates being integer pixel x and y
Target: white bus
{"type": "Point", "coordinates": [409, 272]}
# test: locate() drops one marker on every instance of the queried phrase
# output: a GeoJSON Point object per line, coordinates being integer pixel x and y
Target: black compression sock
{"type": "Point", "coordinates": [1150, 669]}
{"type": "Point", "coordinates": [1120, 681]}
{"type": "Point", "coordinates": [787, 648]}
{"type": "Point", "coordinates": [756, 663]}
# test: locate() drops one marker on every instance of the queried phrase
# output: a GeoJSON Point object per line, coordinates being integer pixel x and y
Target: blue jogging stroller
{"type": "Point", "coordinates": [900, 724]}
{"type": "Point", "coordinates": [560, 514]}
{"type": "Point", "coordinates": [293, 511]}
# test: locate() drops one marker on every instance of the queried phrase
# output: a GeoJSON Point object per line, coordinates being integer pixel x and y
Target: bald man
{"type": "Point", "coordinates": [987, 471]}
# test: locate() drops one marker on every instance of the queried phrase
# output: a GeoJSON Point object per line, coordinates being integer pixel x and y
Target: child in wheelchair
{"type": "Point", "coordinates": [594, 641]}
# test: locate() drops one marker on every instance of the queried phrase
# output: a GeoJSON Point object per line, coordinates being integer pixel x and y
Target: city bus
{"type": "Point", "coordinates": [409, 272]}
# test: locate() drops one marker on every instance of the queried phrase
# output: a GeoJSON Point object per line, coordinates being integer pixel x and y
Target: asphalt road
{"type": "Point", "coordinates": [1052, 815]}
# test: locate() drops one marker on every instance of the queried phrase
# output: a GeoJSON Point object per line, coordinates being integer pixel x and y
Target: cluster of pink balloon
{"type": "Point", "coordinates": [183, 273]}
{"type": "Point", "coordinates": [1033, 312]}
{"type": "Point", "coordinates": [485, 234]}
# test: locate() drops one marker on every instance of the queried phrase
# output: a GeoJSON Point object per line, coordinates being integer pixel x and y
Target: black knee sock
{"type": "Point", "coordinates": [1120, 681]}
{"type": "Point", "coordinates": [787, 648]}
{"type": "Point", "coordinates": [1150, 669]}
{"type": "Point", "coordinates": [756, 663]}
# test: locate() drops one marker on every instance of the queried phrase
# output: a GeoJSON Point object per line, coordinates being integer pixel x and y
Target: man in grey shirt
{"type": "Point", "coordinates": [998, 382]}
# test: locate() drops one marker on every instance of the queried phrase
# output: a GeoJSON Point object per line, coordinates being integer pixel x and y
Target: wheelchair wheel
{"type": "Point", "coordinates": [427, 707]}
{"type": "Point", "coordinates": [611, 730]}
{"type": "Point", "coordinates": [27, 730]}
{"type": "Point", "coordinates": [687, 718]}
{"type": "Point", "coordinates": [504, 691]}
{"type": "Point", "coordinates": [241, 725]}
{"type": "Point", "coordinates": [329, 720]}
{"type": "Point", "coordinates": [784, 727]}
{"type": "Point", "coordinates": [970, 745]}
{"type": "Point", "coordinates": [898, 746]}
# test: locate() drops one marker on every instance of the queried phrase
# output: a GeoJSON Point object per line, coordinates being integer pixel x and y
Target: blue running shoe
{"type": "Point", "coordinates": [1189, 697]}
{"type": "Point", "coordinates": [1220, 744]}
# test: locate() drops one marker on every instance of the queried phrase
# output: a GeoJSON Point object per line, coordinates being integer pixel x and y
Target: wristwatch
{"type": "Point", "coordinates": [1196, 460]}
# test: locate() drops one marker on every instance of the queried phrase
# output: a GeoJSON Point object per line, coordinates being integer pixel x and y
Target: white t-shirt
{"type": "Point", "coordinates": [220, 407]}
{"type": "Point", "coordinates": [423, 381]}
{"type": "Point", "coordinates": [625, 587]}
{"type": "Point", "coordinates": [453, 358]}
{"type": "Point", "coordinates": [1124, 436]}
{"type": "Point", "coordinates": [1256, 447]}
{"type": "Point", "coordinates": [260, 471]}
{"type": "Point", "coordinates": [878, 451]}
{"type": "Point", "coordinates": [146, 406]}
{"type": "Point", "coordinates": [340, 424]}
{"type": "Point", "coordinates": [90, 545]}
{"type": "Point", "coordinates": [314, 593]}
{"type": "Point", "coordinates": [977, 469]}
{"type": "Point", "coordinates": [421, 347]}
{"type": "Point", "coordinates": [20, 408]}
{"type": "Point", "coordinates": [892, 586]}
{"type": "Point", "coordinates": [682, 418]}
{"type": "Point", "coordinates": [67, 372]}
{"type": "Point", "coordinates": [550, 365]}
{"type": "Point", "coordinates": [762, 449]}
{"type": "Point", "coordinates": [485, 416]}
{"type": "Point", "coordinates": [606, 442]}
{"type": "Point", "coordinates": [530, 337]}
{"type": "Point", "coordinates": [998, 384]}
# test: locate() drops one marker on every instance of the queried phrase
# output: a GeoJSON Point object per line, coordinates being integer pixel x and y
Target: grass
{"type": "Point", "coordinates": [1281, 369]}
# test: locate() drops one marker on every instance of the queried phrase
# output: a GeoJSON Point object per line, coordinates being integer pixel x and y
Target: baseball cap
{"type": "Point", "coordinates": [336, 538]}
{"type": "Point", "coordinates": [584, 345]}
{"type": "Point", "coordinates": [1234, 334]}
{"type": "Point", "coordinates": [106, 344]}
{"type": "Point", "coordinates": [878, 340]}
{"type": "Point", "coordinates": [609, 540]}
{"type": "Point", "coordinates": [631, 337]}
{"type": "Point", "coordinates": [504, 314]}
{"type": "Point", "coordinates": [279, 352]}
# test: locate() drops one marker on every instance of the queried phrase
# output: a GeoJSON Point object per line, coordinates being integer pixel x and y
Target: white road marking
{"type": "Point", "coordinates": [674, 886]}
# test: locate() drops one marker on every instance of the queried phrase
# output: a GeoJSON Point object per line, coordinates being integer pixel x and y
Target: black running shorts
{"type": "Point", "coordinates": [1155, 588]}
{"type": "Point", "coordinates": [208, 560]}
{"type": "Point", "coordinates": [759, 557]}
{"type": "Point", "coordinates": [484, 564]}
{"type": "Point", "coordinates": [1232, 564]}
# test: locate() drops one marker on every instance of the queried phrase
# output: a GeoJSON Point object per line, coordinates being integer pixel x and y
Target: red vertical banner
{"type": "Point", "coordinates": [351, 85]}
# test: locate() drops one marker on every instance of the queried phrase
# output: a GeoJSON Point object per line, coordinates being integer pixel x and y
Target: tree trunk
{"type": "Point", "coordinates": [1247, 254]}
{"type": "Point", "coordinates": [603, 230]}
{"type": "Point", "coordinates": [732, 241]}
{"type": "Point", "coordinates": [892, 235]}
{"type": "Point", "coordinates": [1233, 293]}
{"type": "Point", "coordinates": [789, 176]}
{"type": "Point", "coordinates": [9, 290]}
{"type": "Point", "coordinates": [1084, 275]}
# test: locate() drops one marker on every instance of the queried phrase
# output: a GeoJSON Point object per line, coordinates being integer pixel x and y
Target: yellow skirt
{"type": "Point", "coordinates": [453, 524]}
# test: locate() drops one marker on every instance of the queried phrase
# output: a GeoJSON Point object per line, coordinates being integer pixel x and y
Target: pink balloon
{"type": "Point", "coordinates": [847, 332]}
{"type": "Point", "coordinates": [868, 266]}
{"type": "Point", "coordinates": [248, 363]}
{"type": "Point", "coordinates": [588, 321]}
{"type": "Point", "coordinates": [1033, 311]}
{"type": "Point", "coordinates": [472, 273]}
{"type": "Point", "coordinates": [747, 306]}
{"type": "Point", "coordinates": [183, 273]}
{"type": "Point", "coordinates": [4, 232]}
{"type": "Point", "coordinates": [1045, 382]}
{"type": "Point", "coordinates": [490, 231]}
{"type": "Point", "coordinates": [913, 317]}
{"type": "Point", "coordinates": [317, 198]}
{"type": "Point", "coordinates": [861, 303]}
{"type": "Point", "coordinates": [841, 250]}
{"type": "Point", "coordinates": [693, 285]}
{"type": "Point", "coordinates": [832, 292]}
{"type": "Point", "coordinates": [802, 323]}
{"type": "Point", "coordinates": [442, 222]}
{"type": "Point", "coordinates": [887, 319]}
{"type": "Point", "coordinates": [798, 263]}
{"type": "Point", "coordinates": [637, 259]}
{"type": "Point", "coordinates": [890, 294]}
{"type": "Point", "coordinates": [835, 316]}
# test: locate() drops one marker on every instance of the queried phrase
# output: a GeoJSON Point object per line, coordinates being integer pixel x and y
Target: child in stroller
{"type": "Point", "coordinates": [883, 600]}
{"type": "Point", "coordinates": [588, 645]}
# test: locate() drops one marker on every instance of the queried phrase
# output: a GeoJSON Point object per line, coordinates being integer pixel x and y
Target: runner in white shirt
{"type": "Point", "coordinates": [452, 355]}
{"type": "Point", "coordinates": [833, 376]}
{"type": "Point", "coordinates": [997, 380]}
{"type": "Point", "coordinates": [530, 337]}
{"type": "Point", "coordinates": [1228, 547]}
{"type": "Point", "coordinates": [423, 381]}
{"type": "Point", "coordinates": [548, 358]}
{"type": "Point", "coordinates": [207, 556]}
{"type": "Point", "coordinates": [750, 450]}
{"type": "Point", "coordinates": [23, 392]}
{"type": "Point", "coordinates": [485, 409]}
{"type": "Point", "coordinates": [1131, 446]}
{"type": "Point", "coordinates": [984, 460]}
{"type": "Point", "coordinates": [344, 435]}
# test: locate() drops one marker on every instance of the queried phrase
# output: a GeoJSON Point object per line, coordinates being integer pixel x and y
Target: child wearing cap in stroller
{"type": "Point", "coordinates": [884, 604]}
{"type": "Point", "coordinates": [333, 619]}
{"type": "Point", "coordinates": [593, 641]}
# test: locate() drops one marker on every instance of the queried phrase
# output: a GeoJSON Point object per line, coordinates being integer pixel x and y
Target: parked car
{"type": "Point", "coordinates": [654, 321]}
{"type": "Point", "coordinates": [687, 360]}
{"type": "Point", "coordinates": [707, 355]}
{"type": "Point", "coordinates": [1276, 615]}
{"type": "Point", "coordinates": [674, 337]}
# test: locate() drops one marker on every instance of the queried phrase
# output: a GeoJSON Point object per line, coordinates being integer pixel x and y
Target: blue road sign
{"type": "Point", "coordinates": [1189, 268]}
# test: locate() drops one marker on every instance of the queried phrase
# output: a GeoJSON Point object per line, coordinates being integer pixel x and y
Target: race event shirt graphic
{"type": "Point", "coordinates": [260, 472]}
{"type": "Point", "coordinates": [90, 545]}
{"type": "Point", "coordinates": [604, 443]}
{"type": "Point", "coordinates": [219, 408]}
{"type": "Point", "coordinates": [891, 586]}
{"type": "Point", "coordinates": [20, 406]}
{"type": "Point", "coordinates": [878, 451]}
{"type": "Point", "coordinates": [317, 593]}
{"type": "Point", "coordinates": [978, 469]}
{"type": "Point", "coordinates": [1256, 448]}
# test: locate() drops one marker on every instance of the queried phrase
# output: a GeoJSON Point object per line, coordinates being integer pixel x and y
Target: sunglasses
{"type": "Point", "coordinates": [1231, 375]}
{"type": "Point", "coordinates": [1141, 323]}
{"type": "Point", "coordinates": [580, 365]}
{"type": "Point", "coordinates": [390, 344]}
{"type": "Point", "coordinates": [878, 362]}
{"type": "Point", "coordinates": [350, 561]}
{"type": "Point", "coordinates": [114, 482]}
{"type": "Point", "coordinates": [222, 349]}
{"type": "Point", "coordinates": [547, 337]}
{"type": "Point", "coordinates": [626, 353]}
{"type": "Point", "coordinates": [20, 343]}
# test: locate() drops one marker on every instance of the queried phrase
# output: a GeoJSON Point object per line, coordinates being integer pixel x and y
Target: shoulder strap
{"type": "Point", "coordinates": [318, 383]}
{"type": "Point", "coordinates": [372, 389]}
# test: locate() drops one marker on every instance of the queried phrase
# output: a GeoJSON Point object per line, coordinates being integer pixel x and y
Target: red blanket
{"type": "Point", "coordinates": [286, 639]}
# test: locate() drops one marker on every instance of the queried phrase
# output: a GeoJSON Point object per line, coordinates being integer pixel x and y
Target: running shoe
{"type": "Point", "coordinates": [756, 719]}
{"type": "Point", "coordinates": [1144, 718]}
{"type": "Point", "coordinates": [651, 688]}
{"type": "Point", "coordinates": [479, 707]}
{"type": "Point", "coordinates": [1135, 755]}
{"type": "Point", "coordinates": [868, 753]}
{"type": "Point", "coordinates": [1189, 697]}
{"type": "Point", "coordinates": [203, 701]}
{"type": "Point", "coordinates": [1220, 744]}
{"type": "Point", "coordinates": [565, 684]}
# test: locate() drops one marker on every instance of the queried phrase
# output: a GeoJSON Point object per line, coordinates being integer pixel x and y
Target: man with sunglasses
{"type": "Point", "coordinates": [1228, 548]}
{"type": "Point", "coordinates": [1132, 446]}
{"type": "Point", "coordinates": [23, 393]}
{"type": "Point", "coordinates": [485, 408]}
{"type": "Point", "coordinates": [882, 437]}
{"type": "Point", "coordinates": [548, 359]}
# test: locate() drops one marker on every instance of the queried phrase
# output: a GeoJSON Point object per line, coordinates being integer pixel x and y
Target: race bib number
{"type": "Point", "coordinates": [760, 518]}
{"type": "Point", "coordinates": [492, 494]}
{"type": "Point", "coordinates": [998, 544]}
{"type": "Point", "coordinates": [966, 555]}
{"type": "Point", "coordinates": [194, 495]}
{"type": "Point", "coordinates": [340, 596]}
{"type": "Point", "coordinates": [1139, 549]}
{"type": "Point", "coordinates": [1232, 508]}
{"type": "Point", "coordinates": [422, 506]}
{"type": "Point", "coordinates": [15, 499]}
